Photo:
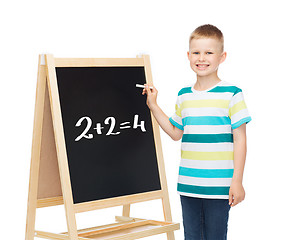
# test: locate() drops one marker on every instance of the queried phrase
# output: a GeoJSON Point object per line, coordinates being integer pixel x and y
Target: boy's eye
{"type": "Point", "coordinates": [209, 52]}
{"type": "Point", "coordinates": [195, 53]}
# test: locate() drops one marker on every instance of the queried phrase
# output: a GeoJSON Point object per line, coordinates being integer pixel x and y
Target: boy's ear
{"type": "Point", "coordinates": [223, 57]}
{"type": "Point", "coordinates": [187, 54]}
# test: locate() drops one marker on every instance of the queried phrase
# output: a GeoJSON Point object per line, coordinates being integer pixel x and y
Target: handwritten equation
{"type": "Point", "coordinates": [111, 122]}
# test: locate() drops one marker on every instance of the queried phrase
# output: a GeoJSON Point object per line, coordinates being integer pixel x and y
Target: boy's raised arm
{"type": "Point", "coordinates": [160, 116]}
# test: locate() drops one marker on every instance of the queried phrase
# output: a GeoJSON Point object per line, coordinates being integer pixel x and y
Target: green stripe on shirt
{"type": "Point", "coordinates": [222, 89]}
{"type": "Point", "coordinates": [185, 90]}
{"type": "Point", "coordinates": [208, 138]}
{"type": "Point", "coordinates": [203, 190]}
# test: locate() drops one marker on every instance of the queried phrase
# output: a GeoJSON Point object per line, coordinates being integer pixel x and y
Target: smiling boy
{"type": "Point", "coordinates": [211, 118]}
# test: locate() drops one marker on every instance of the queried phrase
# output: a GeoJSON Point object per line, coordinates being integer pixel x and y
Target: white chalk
{"type": "Point", "coordinates": [142, 86]}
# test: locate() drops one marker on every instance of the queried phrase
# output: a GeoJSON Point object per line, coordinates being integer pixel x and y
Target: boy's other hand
{"type": "Point", "coordinates": [236, 193]}
{"type": "Point", "coordinates": [151, 95]}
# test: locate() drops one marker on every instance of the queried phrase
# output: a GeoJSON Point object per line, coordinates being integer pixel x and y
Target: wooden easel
{"type": "Point", "coordinates": [49, 174]}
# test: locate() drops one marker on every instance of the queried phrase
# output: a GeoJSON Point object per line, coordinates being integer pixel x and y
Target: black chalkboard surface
{"type": "Point", "coordinates": [108, 132]}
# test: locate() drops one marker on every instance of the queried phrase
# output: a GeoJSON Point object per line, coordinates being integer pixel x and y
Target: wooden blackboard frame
{"type": "Point", "coordinates": [50, 183]}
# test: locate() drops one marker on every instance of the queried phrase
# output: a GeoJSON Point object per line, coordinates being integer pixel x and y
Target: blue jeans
{"type": "Point", "coordinates": [205, 219]}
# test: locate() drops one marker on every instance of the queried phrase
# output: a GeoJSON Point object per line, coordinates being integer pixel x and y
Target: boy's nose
{"type": "Point", "coordinates": [201, 57]}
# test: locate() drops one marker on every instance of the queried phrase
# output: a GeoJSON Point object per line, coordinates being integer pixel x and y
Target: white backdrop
{"type": "Point", "coordinates": [254, 39]}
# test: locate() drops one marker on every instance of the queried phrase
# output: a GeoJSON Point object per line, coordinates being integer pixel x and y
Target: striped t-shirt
{"type": "Point", "coordinates": [208, 119]}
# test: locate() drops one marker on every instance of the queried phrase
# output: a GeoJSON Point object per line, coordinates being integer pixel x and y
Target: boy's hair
{"type": "Point", "coordinates": [208, 31]}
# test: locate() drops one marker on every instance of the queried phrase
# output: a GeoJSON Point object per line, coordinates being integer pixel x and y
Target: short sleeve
{"type": "Point", "coordinates": [176, 118]}
{"type": "Point", "coordinates": [238, 111]}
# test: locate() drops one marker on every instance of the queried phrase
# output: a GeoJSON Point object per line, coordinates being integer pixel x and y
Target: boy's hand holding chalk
{"type": "Point", "coordinates": [151, 92]}
{"type": "Point", "coordinates": [142, 86]}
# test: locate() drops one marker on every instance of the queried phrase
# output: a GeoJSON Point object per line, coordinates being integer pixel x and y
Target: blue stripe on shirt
{"type": "Point", "coordinates": [242, 121]}
{"type": "Point", "coordinates": [176, 124]}
{"type": "Point", "coordinates": [206, 173]}
{"type": "Point", "coordinates": [206, 120]}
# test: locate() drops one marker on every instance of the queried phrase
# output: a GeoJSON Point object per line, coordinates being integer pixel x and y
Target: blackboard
{"type": "Point", "coordinates": [116, 155]}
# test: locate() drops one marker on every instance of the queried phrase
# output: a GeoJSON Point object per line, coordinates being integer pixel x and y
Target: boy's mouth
{"type": "Point", "coordinates": [202, 66]}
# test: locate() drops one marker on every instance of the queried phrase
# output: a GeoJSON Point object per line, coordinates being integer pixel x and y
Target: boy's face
{"type": "Point", "coordinates": [205, 55]}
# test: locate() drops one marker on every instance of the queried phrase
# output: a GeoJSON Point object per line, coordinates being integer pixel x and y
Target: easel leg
{"type": "Point", "coordinates": [35, 156]}
{"type": "Point", "coordinates": [171, 236]}
{"type": "Point", "coordinates": [31, 213]}
{"type": "Point", "coordinates": [60, 148]}
{"type": "Point", "coordinates": [168, 215]}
